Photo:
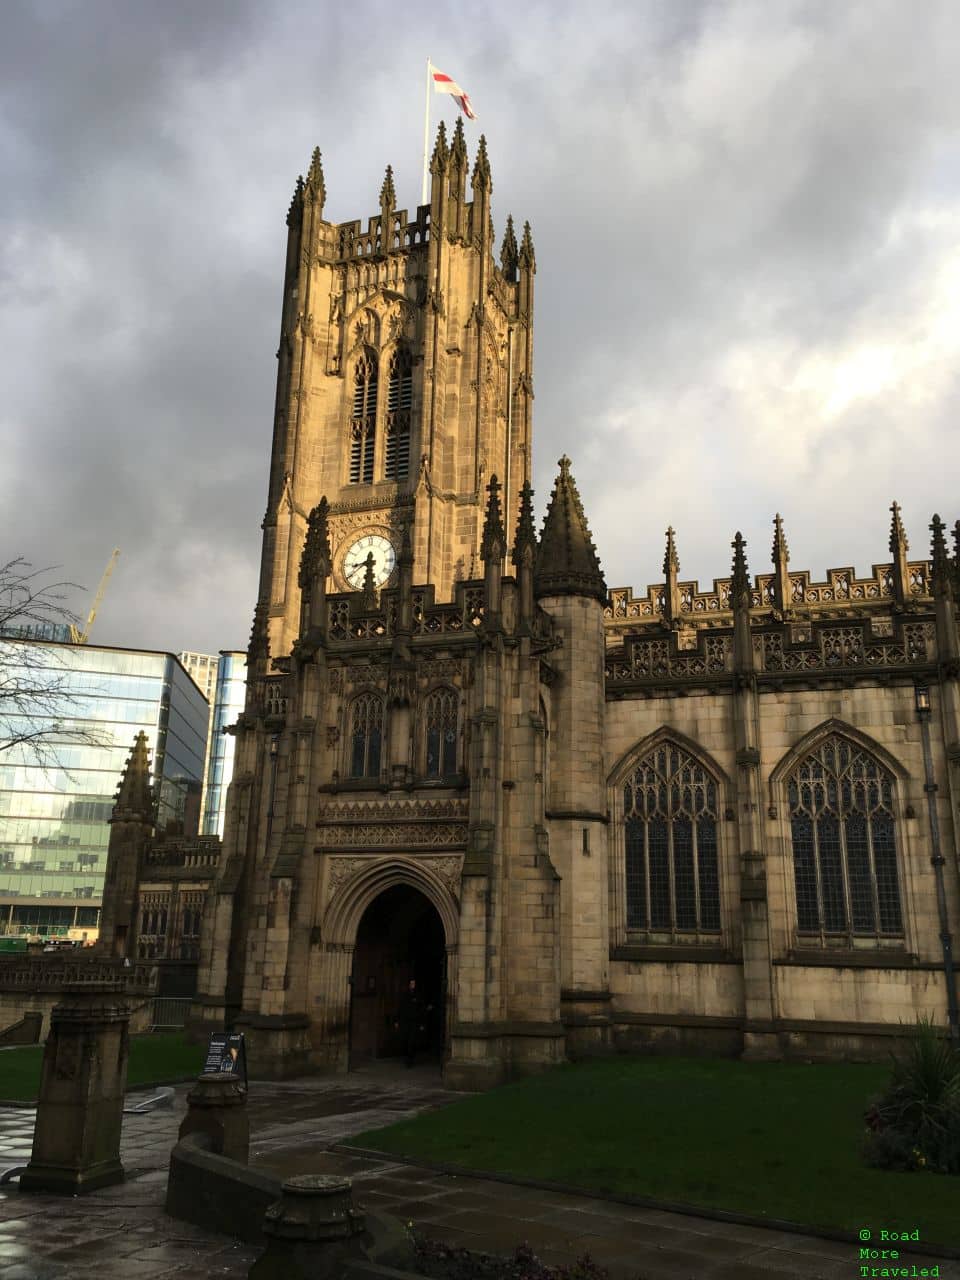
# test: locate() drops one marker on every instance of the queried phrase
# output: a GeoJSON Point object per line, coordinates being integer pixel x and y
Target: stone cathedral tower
{"type": "Point", "coordinates": [404, 383]}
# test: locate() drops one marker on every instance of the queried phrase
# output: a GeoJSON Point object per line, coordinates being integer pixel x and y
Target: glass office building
{"type": "Point", "coordinates": [228, 701]}
{"type": "Point", "coordinates": [54, 814]}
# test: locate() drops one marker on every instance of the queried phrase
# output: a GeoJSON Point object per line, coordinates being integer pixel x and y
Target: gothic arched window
{"type": "Point", "coordinates": [440, 733]}
{"type": "Point", "coordinates": [670, 808]}
{"type": "Point", "coordinates": [363, 420]}
{"type": "Point", "coordinates": [399, 400]}
{"type": "Point", "coordinates": [844, 846]}
{"type": "Point", "coordinates": [366, 736]}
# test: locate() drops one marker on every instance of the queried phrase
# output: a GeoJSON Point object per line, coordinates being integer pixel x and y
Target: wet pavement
{"type": "Point", "coordinates": [122, 1231]}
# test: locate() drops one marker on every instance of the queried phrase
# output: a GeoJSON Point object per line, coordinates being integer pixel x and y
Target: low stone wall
{"type": "Point", "coordinates": [793, 1041]}
{"type": "Point", "coordinates": [15, 1006]}
{"type": "Point", "coordinates": [32, 985]}
{"type": "Point", "coordinates": [25, 1031]}
{"type": "Point", "coordinates": [220, 1194]}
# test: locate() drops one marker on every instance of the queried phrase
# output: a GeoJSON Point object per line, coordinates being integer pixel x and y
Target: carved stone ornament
{"type": "Point", "coordinates": [394, 810]}
{"type": "Point", "coordinates": [447, 869]}
{"type": "Point", "coordinates": [414, 835]}
{"type": "Point", "coordinates": [439, 668]}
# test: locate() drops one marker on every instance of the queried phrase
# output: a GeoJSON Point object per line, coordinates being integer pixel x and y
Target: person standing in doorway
{"type": "Point", "coordinates": [411, 1022]}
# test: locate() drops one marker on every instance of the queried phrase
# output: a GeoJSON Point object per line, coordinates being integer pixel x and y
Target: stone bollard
{"type": "Point", "coordinates": [217, 1107]}
{"type": "Point", "coordinates": [312, 1232]}
{"type": "Point", "coordinates": [76, 1142]}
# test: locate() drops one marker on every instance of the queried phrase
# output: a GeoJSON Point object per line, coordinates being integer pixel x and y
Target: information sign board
{"type": "Point", "coordinates": [226, 1055]}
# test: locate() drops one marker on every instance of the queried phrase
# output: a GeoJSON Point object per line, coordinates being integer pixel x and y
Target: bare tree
{"type": "Point", "coordinates": [38, 701]}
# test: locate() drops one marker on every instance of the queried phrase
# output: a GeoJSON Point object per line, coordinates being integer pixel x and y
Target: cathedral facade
{"type": "Point", "coordinates": [582, 820]}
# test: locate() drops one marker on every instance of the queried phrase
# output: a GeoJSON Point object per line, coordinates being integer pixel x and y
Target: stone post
{"type": "Point", "coordinates": [76, 1143]}
{"type": "Point", "coordinates": [217, 1107]}
{"type": "Point", "coordinates": [312, 1232]}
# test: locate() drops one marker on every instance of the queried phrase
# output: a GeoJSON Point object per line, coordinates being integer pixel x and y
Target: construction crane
{"type": "Point", "coordinates": [76, 635]}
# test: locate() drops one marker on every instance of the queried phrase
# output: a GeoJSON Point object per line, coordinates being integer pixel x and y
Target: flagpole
{"type": "Point", "coordinates": [426, 135]}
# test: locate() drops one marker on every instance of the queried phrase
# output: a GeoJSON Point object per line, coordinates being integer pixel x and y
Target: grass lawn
{"type": "Point", "coordinates": [159, 1056]}
{"type": "Point", "coordinates": [777, 1140]}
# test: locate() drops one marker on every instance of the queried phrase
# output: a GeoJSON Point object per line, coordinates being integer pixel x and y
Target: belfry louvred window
{"type": "Point", "coordinates": [844, 844]}
{"type": "Point", "coordinates": [366, 736]}
{"type": "Point", "coordinates": [399, 401]}
{"type": "Point", "coordinates": [672, 875]}
{"type": "Point", "coordinates": [363, 421]}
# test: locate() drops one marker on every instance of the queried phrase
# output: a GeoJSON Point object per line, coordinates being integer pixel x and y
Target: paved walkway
{"type": "Point", "coordinates": [123, 1232]}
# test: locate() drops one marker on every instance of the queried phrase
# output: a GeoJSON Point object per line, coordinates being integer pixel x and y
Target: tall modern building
{"type": "Point", "coordinates": [228, 701]}
{"type": "Point", "coordinates": [202, 667]}
{"type": "Point", "coordinates": [54, 815]}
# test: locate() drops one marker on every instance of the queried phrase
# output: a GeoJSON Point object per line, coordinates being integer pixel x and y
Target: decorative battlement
{"type": "Point", "coordinates": [383, 234]}
{"type": "Point", "coordinates": [187, 854]}
{"type": "Point", "coordinates": [869, 644]}
{"type": "Point", "coordinates": [889, 620]}
{"type": "Point", "coordinates": [392, 230]}
{"type": "Point", "coordinates": [841, 591]}
{"type": "Point", "coordinates": [902, 585]}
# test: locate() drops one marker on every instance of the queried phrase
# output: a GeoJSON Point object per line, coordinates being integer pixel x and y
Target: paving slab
{"type": "Point", "coordinates": [122, 1231]}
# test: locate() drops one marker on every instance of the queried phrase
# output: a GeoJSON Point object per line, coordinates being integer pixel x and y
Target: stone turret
{"type": "Point", "coordinates": [740, 597]}
{"type": "Point", "coordinates": [899, 546]}
{"type": "Point", "coordinates": [509, 254]}
{"type": "Point", "coordinates": [493, 548]}
{"type": "Point", "coordinates": [523, 558]}
{"type": "Point", "coordinates": [482, 186]}
{"type": "Point", "coordinates": [567, 563]}
{"type": "Point", "coordinates": [569, 585]}
{"type": "Point", "coordinates": [388, 195]}
{"type": "Point", "coordinates": [781, 574]}
{"type": "Point", "coordinates": [131, 827]}
{"type": "Point", "coordinates": [942, 586]}
{"type": "Point", "coordinates": [671, 591]}
{"type": "Point", "coordinates": [314, 571]}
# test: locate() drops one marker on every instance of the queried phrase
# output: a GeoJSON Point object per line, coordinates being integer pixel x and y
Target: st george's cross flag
{"type": "Point", "coordinates": [443, 84]}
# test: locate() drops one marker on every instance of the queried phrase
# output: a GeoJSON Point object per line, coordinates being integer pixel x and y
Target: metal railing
{"type": "Point", "coordinates": [169, 1014]}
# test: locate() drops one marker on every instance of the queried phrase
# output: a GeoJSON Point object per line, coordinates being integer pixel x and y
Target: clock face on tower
{"type": "Point", "coordinates": [355, 559]}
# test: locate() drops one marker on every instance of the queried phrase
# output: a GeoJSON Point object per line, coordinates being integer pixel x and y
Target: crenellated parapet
{"type": "Point", "coordinates": [891, 646]}
{"type": "Point", "coordinates": [840, 593]}
{"type": "Point", "coordinates": [799, 626]}
{"type": "Point", "coordinates": [179, 856]}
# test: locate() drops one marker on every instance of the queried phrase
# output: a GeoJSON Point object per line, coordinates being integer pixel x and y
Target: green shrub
{"type": "Point", "coordinates": [914, 1124]}
{"type": "Point", "coordinates": [450, 1262]}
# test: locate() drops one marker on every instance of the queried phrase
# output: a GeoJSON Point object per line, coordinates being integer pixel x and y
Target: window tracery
{"type": "Point", "coordinates": [363, 420]}
{"type": "Point", "coordinates": [672, 873]}
{"type": "Point", "coordinates": [399, 402]}
{"type": "Point", "coordinates": [366, 736]}
{"type": "Point", "coordinates": [440, 733]}
{"type": "Point", "coordinates": [844, 843]}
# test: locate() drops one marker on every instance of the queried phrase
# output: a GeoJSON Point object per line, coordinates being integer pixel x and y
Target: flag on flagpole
{"type": "Point", "coordinates": [443, 84]}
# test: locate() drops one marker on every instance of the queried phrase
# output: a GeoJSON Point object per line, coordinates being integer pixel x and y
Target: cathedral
{"type": "Point", "coordinates": [692, 820]}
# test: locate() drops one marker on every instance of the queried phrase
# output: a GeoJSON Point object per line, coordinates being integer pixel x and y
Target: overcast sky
{"type": "Point", "coordinates": [747, 226]}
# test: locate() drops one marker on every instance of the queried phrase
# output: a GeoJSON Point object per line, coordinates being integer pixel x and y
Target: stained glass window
{"type": "Point", "coordinates": [366, 736]}
{"type": "Point", "coordinates": [844, 849]}
{"type": "Point", "coordinates": [440, 722]}
{"type": "Point", "coordinates": [670, 807]}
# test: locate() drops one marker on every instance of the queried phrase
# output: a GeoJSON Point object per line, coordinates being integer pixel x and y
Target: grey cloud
{"type": "Point", "coordinates": [729, 200]}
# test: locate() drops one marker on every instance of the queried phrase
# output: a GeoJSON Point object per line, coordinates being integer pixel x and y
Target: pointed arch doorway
{"type": "Point", "coordinates": [400, 936]}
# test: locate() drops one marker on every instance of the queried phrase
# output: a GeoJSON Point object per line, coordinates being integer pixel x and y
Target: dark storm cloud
{"type": "Point", "coordinates": [746, 222]}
